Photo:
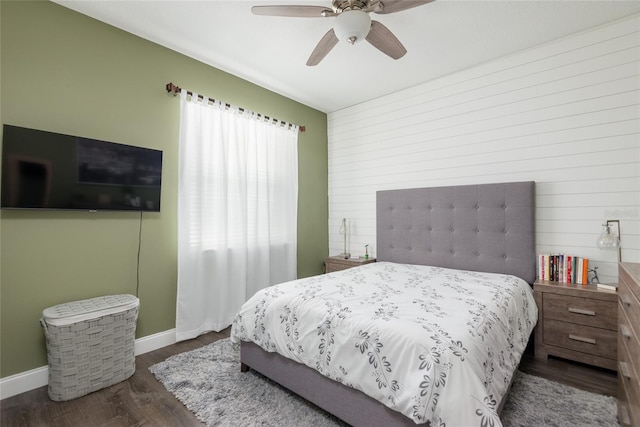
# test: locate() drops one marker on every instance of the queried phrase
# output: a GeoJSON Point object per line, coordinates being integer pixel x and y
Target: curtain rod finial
{"type": "Point", "coordinates": [172, 88]}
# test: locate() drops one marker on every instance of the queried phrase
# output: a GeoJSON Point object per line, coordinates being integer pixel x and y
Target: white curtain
{"type": "Point", "coordinates": [237, 211]}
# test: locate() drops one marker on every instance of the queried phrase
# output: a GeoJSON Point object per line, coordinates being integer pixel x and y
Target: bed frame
{"type": "Point", "coordinates": [486, 227]}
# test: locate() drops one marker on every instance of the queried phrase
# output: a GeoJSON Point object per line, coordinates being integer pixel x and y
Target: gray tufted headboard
{"type": "Point", "coordinates": [485, 227]}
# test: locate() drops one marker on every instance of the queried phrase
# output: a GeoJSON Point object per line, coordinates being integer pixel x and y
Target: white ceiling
{"type": "Point", "coordinates": [441, 38]}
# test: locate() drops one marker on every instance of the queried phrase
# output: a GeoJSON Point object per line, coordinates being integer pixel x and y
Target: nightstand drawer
{"type": "Point", "coordinates": [582, 311]}
{"type": "Point", "coordinates": [585, 339]}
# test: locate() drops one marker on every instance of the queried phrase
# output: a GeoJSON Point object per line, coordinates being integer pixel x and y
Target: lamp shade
{"type": "Point", "coordinates": [352, 26]}
{"type": "Point", "coordinates": [606, 240]}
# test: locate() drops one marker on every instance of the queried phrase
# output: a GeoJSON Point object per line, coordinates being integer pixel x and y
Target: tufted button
{"type": "Point", "coordinates": [452, 251]}
{"type": "Point", "coordinates": [477, 253]}
{"type": "Point", "coordinates": [452, 207]}
{"type": "Point", "coordinates": [477, 230]}
{"type": "Point", "coordinates": [504, 256]}
{"type": "Point", "coordinates": [429, 228]}
{"type": "Point", "coordinates": [477, 207]}
{"type": "Point", "coordinates": [504, 231]}
{"type": "Point", "coordinates": [429, 207]}
{"type": "Point", "coordinates": [504, 206]}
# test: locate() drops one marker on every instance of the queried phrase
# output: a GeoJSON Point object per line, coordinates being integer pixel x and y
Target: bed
{"type": "Point", "coordinates": [431, 334]}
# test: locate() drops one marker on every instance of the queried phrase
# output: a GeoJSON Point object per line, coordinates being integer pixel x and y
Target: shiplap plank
{"type": "Point", "coordinates": [419, 171]}
{"type": "Point", "coordinates": [598, 135]}
{"type": "Point", "coordinates": [632, 229]}
{"type": "Point", "coordinates": [588, 186]}
{"type": "Point", "coordinates": [487, 154]}
{"type": "Point", "coordinates": [629, 198]}
{"type": "Point", "coordinates": [536, 173]}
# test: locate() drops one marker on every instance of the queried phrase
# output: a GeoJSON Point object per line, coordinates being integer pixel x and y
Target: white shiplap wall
{"type": "Point", "coordinates": [565, 114]}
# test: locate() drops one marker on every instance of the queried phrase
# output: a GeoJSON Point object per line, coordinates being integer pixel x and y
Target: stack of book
{"type": "Point", "coordinates": [563, 268]}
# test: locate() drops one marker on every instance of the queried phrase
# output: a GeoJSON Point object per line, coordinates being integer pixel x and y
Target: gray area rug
{"type": "Point", "coordinates": [208, 381]}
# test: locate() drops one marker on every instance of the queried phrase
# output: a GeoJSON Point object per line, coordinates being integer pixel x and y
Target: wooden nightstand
{"type": "Point", "coordinates": [337, 263]}
{"type": "Point", "coordinates": [576, 322]}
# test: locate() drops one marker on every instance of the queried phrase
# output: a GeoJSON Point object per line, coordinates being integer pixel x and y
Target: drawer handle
{"type": "Point", "coordinates": [582, 311]}
{"type": "Point", "coordinates": [582, 339]}
{"type": "Point", "coordinates": [625, 332]}
{"type": "Point", "coordinates": [624, 416]}
{"type": "Point", "coordinates": [624, 370]}
{"type": "Point", "coordinates": [625, 300]}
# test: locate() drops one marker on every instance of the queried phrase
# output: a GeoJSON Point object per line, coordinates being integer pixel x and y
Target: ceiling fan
{"type": "Point", "coordinates": [352, 23]}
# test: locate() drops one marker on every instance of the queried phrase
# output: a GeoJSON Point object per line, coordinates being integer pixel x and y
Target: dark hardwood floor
{"type": "Point", "coordinates": [578, 375]}
{"type": "Point", "coordinates": [139, 401]}
{"type": "Point", "coordinates": [143, 401]}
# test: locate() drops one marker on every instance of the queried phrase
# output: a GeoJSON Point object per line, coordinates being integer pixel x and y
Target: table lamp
{"type": "Point", "coordinates": [608, 240]}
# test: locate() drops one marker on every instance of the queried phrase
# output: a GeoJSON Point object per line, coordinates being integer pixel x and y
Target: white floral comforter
{"type": "Point", "coordinates": [435, 344]}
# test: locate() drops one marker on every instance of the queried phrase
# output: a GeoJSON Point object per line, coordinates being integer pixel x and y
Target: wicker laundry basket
{"type": "Point", "coordinates": [90, 344]}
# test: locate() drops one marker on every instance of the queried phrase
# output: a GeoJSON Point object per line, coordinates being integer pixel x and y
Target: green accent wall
{"type": "Point", "coordinates": [64, 72]}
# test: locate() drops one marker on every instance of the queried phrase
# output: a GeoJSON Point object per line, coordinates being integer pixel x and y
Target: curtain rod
{"type": "Point", "coordinates": [171, 88]}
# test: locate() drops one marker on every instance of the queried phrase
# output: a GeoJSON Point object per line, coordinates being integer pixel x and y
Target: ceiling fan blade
{"type": "Point", "coordinates": [384, 40]}
{"type": "Point", "coordinates": [293, 11]}
{"type": "Point", "coordinates": [324, 46]}
{"type": "Point", "coordinates": [392, 6]}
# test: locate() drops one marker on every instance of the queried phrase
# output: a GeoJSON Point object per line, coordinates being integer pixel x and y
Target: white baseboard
{"type": "Point", "coordinates": [153, 342]}
{"type": "Point", "coordinates": [39, 377]}
{"type": "Point", "coordinates": [24, 381]}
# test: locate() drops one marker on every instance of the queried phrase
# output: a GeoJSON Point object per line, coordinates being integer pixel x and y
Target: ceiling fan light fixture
{"type": "Point", "coordinates": [352, 26]}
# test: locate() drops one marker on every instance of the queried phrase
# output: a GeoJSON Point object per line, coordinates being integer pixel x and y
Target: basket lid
{"type": "Point", "coordinates": [78, 311]}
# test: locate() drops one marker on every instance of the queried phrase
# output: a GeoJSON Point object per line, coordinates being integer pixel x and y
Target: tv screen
{"type": "Point", "coordinates": [46, 170]}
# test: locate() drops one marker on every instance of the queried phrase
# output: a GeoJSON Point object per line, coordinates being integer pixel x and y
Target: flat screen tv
{"type": "Point", "coordinates": [46, 170]}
